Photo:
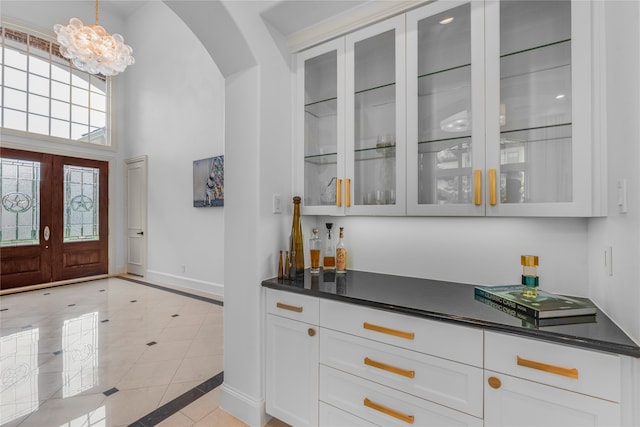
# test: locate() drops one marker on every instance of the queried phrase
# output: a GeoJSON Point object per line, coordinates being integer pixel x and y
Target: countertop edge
{"type": "Point", "coordinates": [467, 321]}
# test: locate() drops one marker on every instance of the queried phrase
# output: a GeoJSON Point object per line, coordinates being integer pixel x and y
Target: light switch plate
{"type": "Point", "coordinates": [277, 204]}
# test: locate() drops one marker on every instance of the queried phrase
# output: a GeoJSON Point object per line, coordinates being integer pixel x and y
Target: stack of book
{"type": "Point", "coordinates": [544, 310]}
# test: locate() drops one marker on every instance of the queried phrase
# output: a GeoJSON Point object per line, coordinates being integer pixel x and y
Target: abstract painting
{"type": "Point", "coordinates": [208, 182]}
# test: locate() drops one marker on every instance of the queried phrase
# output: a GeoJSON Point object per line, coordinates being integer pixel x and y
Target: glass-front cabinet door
{"type": "Point", "coordinates": [445, 112]}
{"type": "Point", "coordinates": [375, 128]}
{"type": "Point", "coordinates": [538, 108]}
{"type": "Point", "coordinates": [351, 108]}
{"type": "Point", "coordinates": [319, 145]}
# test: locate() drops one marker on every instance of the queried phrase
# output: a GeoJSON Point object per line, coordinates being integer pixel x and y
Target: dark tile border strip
{"type": "Point", "coordinates": [168, 409]}
{"type": "Point", "coordinates": [174, 291]}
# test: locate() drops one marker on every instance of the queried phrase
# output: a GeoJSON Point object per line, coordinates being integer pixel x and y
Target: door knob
{"type": "Point", "coordinates": [140, 233]}
{"type": "Point", "coordinates": [47, 233]}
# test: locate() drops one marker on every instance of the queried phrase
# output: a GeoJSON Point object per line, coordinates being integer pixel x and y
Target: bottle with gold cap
{"type": "Point", "coordinates": [529, 275]}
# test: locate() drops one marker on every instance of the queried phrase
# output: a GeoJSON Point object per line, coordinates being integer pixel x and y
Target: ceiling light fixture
{"type": "Point", "coordinates": [92, 49]}
{"type": "Point", "coordinates": [448, 20]}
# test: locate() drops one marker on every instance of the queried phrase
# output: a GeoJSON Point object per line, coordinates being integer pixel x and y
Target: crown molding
{"type": "Point", "coordinates": [349, 21]}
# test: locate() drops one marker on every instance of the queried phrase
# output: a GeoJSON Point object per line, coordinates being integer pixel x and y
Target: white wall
{"type": "Point", "coordinates": [619, 294]}
{"type": "Point", "coordinates": [259, 163]}
{"type": "Point", "coordinates": [481, 251]}
{"type": "Point", "coordinates": [174, 113]}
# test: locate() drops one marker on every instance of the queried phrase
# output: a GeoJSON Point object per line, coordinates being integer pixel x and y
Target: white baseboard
{"type": "Point", "coordinates": [243, 407]}
{"type": "Point", "coordinates": [185, 282]}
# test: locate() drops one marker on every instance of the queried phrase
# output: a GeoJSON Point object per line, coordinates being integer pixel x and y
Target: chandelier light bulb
{"type": "Point", "coordinates": [92, 49]}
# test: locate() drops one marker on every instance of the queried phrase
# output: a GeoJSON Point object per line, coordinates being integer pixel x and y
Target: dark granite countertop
{"type": "Point", "coordinates": [452, 302]}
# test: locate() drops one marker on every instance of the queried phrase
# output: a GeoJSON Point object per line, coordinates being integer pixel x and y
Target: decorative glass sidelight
{"type": "Point", "coordinates": [81, 190]}
{"type": "Point", "coordinates": [20, 202]}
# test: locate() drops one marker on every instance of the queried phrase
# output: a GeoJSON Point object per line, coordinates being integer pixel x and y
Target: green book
{"type": "Point", "coordinates": [545, 305]}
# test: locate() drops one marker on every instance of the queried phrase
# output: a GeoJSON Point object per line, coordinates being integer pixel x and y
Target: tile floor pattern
{"type": "Point", "coordinates": [108, 353]}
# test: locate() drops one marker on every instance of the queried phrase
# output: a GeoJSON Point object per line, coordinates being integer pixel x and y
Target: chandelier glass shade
{"type": "Point", "coordinates": [92, 49]}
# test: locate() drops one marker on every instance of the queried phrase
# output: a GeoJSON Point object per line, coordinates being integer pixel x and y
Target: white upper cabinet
{"type": "Point", "coordinates": [319, 143]}
{"type": "Point", "coordinates": [538, 109]}
{"type": "Point", "coordinates": [478, 108]}
{"type": "Point", "coordinates": [445, 112]}
{"type": "Point", "coordinates": [350, 144]}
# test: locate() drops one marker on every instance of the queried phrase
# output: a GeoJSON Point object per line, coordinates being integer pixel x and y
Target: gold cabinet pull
{"type": "Point", "coordinates": [289, 307]}
{"type": "Point", "coordinates": [338, 192]}
{"type": "Point", "coordinates": [388, 411]}
{"type": "Point", "coordinates": [347, 191]}
{"type": "Point", "coordinates": [494, 382]}
{"type": "Point", "coordinates": [558, 370]}
{"type": "Point", "coordinates": [390, 368]}
{"type": "Point", "coordinates": [477, 183]}
{"type": "Point", "coordinates": [493, 199]}
{"type": "Point", "coordinates": [311, 332]}
{"type": "Point", "coordinates": [389, 331]}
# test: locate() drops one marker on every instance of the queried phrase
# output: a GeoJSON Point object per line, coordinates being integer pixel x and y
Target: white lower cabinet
{"type": "Point", "coordinates": [334, 417]}
{"type": "Point", "coordinates": [335, 364]}
{"type": "Point", "coordinates": [534, 383]}
{"type": "Point", "coordinates": [385, 406]}
{"type": "Point", "coordinates": [292, 359]}
{"type": "Point", "coordinates": [442, 381]}
{"type": "Point", "coordinates": [522, 403]}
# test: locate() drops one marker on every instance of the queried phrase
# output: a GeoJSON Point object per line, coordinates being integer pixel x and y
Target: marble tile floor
{"type": "Point", "coordinates": [111, 352]}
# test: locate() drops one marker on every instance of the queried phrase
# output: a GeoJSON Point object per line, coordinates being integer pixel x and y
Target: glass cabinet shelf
{"type": "Point", "coordinates": [322, 108]}
{"type": "Point", "coordinates": [433, 73]}
{"type": "Point", "coordinates": [322, 159]}
{"type": "Point", "coordinates": [535, 87]}
{"type": "Point", "coordinates": [424, 146]}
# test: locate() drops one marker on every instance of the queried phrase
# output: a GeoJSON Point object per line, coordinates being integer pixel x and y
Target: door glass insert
{"type": "Point", "coordinates": [20, 202]}
{"type": "Point", "coordinates": [321, 129]}
{"type": "Point", "coordinates": [535, 102]}
{"type": "Point", "coordinates": [81, 190]}
{"type": "Point", "coordinates": [444, 108]}
{"type": "Point", "coordinates": [375, 120]}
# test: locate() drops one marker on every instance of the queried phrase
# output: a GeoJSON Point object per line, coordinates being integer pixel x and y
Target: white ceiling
{"type": "Point", "coordinates": [287, 16]}
{"type": "Point", "coordinates": [121, 8]}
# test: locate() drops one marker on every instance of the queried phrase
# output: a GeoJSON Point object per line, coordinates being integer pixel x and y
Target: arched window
{"type": "Point", "coordinates": [43, 94]}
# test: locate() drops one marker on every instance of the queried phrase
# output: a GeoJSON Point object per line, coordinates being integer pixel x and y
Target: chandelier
{"type": "Point", "coordinates": [92, 49]}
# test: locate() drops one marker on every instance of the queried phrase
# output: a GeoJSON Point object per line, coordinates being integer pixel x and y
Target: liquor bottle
{"type": "Point", "coordinates": [341, 254]}
{"type": "Point", "coordinates": [280, 267]}
{"type": "Point", "coordinates": [529, 275]}
{"type": "Point", "coordinates": [296, 249]}
{"type": "Point", "coordinates": [287, 265]}
{"type": "Point", "coordinates": [329, 260]}
{"type": "Point", "coordinates": [314, 251]}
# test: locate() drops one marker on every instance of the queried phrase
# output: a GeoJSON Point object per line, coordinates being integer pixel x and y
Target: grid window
{"type": "Point", "coordinates": [41, 93]}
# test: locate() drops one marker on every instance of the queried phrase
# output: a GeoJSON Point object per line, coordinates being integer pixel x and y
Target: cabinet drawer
{"type": "Point", "coordinates": [331, 416]}
{"type": "Point", "coordinates": [385, 406]}
{"type": "Point", "coordinates": [584, 371]}
{"type": "Point", "coordinates": [293, 306]}
{"type": "Point", "coordinates": [439, 339]}
{"type": "Point", "coordinates": [448, 383]}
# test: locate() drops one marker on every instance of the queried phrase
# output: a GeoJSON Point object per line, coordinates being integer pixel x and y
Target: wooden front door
{"type": "Point", "coordinates": [54, 218]}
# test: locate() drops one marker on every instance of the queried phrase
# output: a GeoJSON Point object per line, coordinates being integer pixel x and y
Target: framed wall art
{"type": "Point", "coordinates": [208, 182]}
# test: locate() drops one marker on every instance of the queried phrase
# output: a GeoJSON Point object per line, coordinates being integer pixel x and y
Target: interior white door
{"type": "Point", "coordinates": [137, 215]}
